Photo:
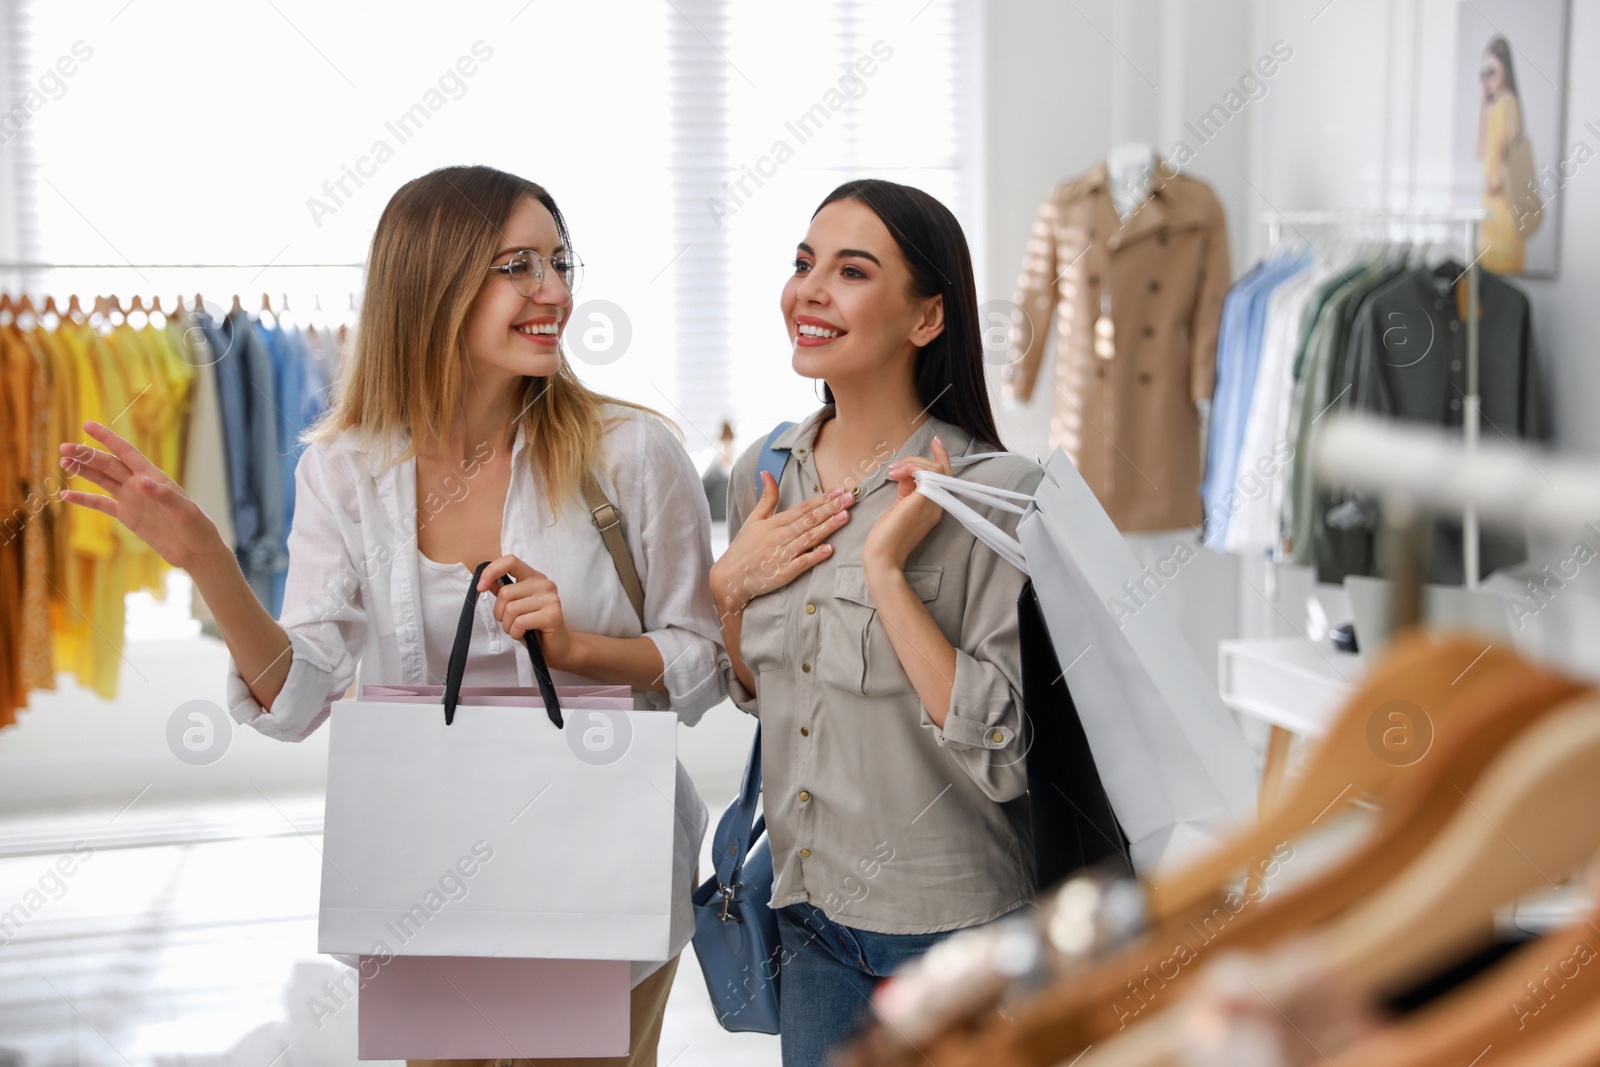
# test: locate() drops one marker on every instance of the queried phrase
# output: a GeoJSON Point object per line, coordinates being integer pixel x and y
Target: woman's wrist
{"type": "Point", "coordinates": [211, 566]}
{"type": "Point", "coordinates": [725, 595]}
{"type": "Point", "coordinates": [881, 570]}
{"type": "Point", "coordinates": [574, 656]}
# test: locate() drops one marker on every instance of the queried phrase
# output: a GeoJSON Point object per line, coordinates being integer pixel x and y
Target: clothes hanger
{"type": "Point", "coordinates": [1506, 695]}
{"type": "Point", "coordinates": [136, 307]}
{"type": "Point", "coordinates": [1461, 1025]}
{"type": "Point", "coordinates": [1527, 820]}
{"type": "Point", "coordinates": [50, 309]}
{"type": "Point", "coordinates": [1576, 1044]}
{"type": "Point", "coordinates": [1472, 724]}
{"type": "Point", "coordinates": [75, 310]}
{"type": "Point", "coordinates": [1417, 669]}
{"type": "Point", "coordinates": [237, 306]}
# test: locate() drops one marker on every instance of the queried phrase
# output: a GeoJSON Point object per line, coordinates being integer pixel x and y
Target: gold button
{"type": "Point", "coordinates": [806, 667]}
{"type": "Point", "coordinates": [804, 796]}
{"type": "Point", "coordinates": [805, 731]}
{"type": "Point", "coordinates": [811, 609]}
{"type": "Point", "coordinates": [799, 451]}
{"type": "Point", "coordinates": [815, 488]}
{"type": "Point", "coordinates": [805, 853]}
{"type": "Point", "coordinates": [856, 491]}
{"type": "Point", "coordinates": [997, 737]}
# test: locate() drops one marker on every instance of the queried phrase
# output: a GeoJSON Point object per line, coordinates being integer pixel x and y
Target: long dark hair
{"type": "Point", "coordinates": [1500, 48]}
{"type": "Point", "coordinates": [949, 373]}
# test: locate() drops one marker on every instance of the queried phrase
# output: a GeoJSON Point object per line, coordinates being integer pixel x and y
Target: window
{"type": "Point", "coordinates": [195, 133]}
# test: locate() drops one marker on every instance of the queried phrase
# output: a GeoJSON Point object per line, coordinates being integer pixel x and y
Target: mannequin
{"type": "Point", "coordinates": [1123, 278]}
{"type": "Point", "coordinates": [1129, 168]}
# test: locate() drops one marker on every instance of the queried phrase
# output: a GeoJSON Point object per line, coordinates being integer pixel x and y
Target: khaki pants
{"type": "Point", "coordinates": [647, 1006]}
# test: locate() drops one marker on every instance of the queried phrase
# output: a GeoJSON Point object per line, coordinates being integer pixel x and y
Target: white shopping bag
{"type": "Point", "coordinates": [499, 834]}
{"type": "Point", "coordinates": [1175, 767]}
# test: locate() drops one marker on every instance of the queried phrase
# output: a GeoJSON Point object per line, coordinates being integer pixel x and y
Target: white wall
{"type": "Point", "coordinates": [1360, 117]}
{"type": "Point", "coordinates": [1065, 82]}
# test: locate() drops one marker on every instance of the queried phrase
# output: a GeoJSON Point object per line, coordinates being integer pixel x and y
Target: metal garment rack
{"type": "Point", "coordinates": [1420, 470]}
{"type": "Point", "coordinates": [1472, 415]}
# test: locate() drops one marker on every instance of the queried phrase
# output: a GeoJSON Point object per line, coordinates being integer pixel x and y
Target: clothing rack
{"type": "Point", "coordinates": [1418, 470]}
{"type": "Point", "coordinates": [1471, 417]}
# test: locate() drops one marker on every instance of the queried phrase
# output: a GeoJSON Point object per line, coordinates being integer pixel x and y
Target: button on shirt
{"type": "Point", "coordinates": [880, 818]}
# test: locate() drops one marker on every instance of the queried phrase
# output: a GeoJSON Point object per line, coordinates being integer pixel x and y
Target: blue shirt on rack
{"type": "Point", "coordinates": [1244, 317]}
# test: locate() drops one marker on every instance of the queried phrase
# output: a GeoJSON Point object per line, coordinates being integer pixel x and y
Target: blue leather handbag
{"type": "Point", "coordinates": [735, 932]}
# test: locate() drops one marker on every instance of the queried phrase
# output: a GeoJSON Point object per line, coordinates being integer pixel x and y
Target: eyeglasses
{"type": "Point", "coordinates": [526, 270]}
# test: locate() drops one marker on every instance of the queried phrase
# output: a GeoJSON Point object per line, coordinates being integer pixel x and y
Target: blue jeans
{"type": "Point", "coordinates": [828, 974]}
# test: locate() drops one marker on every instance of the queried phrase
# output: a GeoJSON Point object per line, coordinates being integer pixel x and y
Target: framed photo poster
{"type": "Point", "coordinates": [1510, 159]}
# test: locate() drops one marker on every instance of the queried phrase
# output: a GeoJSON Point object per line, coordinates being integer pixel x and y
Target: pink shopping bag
{"type": "Point", "coordinates": [466, 1007]}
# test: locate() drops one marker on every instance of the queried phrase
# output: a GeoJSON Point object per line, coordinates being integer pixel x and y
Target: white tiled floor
{"type": "Point", "coordinates": [202, 953]}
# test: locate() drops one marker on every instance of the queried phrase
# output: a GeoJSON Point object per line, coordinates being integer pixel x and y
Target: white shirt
{"type": "Point", "coordinates": [1266, 455]}
{"type": "Point", "coordinates": [491, 655]}
{"type": "Point", "coordinates": [353, 592]}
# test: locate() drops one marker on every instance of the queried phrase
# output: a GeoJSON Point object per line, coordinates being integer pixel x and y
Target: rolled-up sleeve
{"type": "Point", "coordinates": [322, 614]}
{"type": "Point", "coordinates": [673, 550]}
{"type": "Point", "coordinates": [983, 729]}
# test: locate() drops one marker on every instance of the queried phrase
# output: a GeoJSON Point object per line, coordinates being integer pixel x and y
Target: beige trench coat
{"type": "Point", "coordinates": [1129, 421]}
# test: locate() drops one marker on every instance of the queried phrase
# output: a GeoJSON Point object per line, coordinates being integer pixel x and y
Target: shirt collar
{"type": "Point", "coordinates": [800, 439]}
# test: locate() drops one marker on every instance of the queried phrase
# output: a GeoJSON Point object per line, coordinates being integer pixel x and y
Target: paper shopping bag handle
{"type": "Point", "coordinates": [458, 657]}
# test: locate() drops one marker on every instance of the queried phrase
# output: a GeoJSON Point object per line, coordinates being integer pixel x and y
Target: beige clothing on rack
{"type": "Point", "coordinates": [1128, 421]}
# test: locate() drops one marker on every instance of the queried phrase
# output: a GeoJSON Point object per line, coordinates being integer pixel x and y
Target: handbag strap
{"type": "Point", "coordinates": [740, 827]}
{"type": "Point", "coordinates": [608, 520]}
{"type": "Point", "coordinates": [773, 459]}
{"type": "Point", "coordinates": [458, 656]}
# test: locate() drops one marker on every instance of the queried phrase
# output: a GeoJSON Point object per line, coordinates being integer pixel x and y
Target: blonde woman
{"type": "Point", "coordinates": [459, 434]}
{"type": "Point", "coordinates": [1502, 239]}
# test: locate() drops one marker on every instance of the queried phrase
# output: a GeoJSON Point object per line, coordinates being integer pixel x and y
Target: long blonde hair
{"type": "Point", "coordinates": [405, 375]}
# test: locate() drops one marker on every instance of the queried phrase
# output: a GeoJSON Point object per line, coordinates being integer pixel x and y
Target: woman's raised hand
{"type": "Point", "coordinates": [142, 498]}
{"type": "Point", "coordinates": [771, 550]}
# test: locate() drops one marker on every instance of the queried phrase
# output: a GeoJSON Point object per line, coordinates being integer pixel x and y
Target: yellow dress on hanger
{"type": "Point", "coordinates": [1499, 240]}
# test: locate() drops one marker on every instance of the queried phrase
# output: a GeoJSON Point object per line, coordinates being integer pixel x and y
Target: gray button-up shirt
{"type": "Point", "coordinates": [877, 816]}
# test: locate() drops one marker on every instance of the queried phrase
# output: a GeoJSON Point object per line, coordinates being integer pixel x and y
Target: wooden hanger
{"type": "Point", "coordinates": [75, 310]}
{"type": "Point", "coordinates": [1343, 766]}
{"type": "Point", "coordinates": [1529, 821]}
{"type": "Point", "coordinates": [1525, 823]}
{"type": "Point", "coordinates": [50, 309]}
{"type": "Point", "coordinates": [136, 307]}
{"type": "Point", "coordinates": [7, 310]}
{"type": "Point", "coordinates": [1471, 725]}
{"type": "Point", "coordinates": [1529, 993]}
{"type": "Point", "coordinates": [237, 306]}
{"type": "Point", "coordinates": [1576, 1044]}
